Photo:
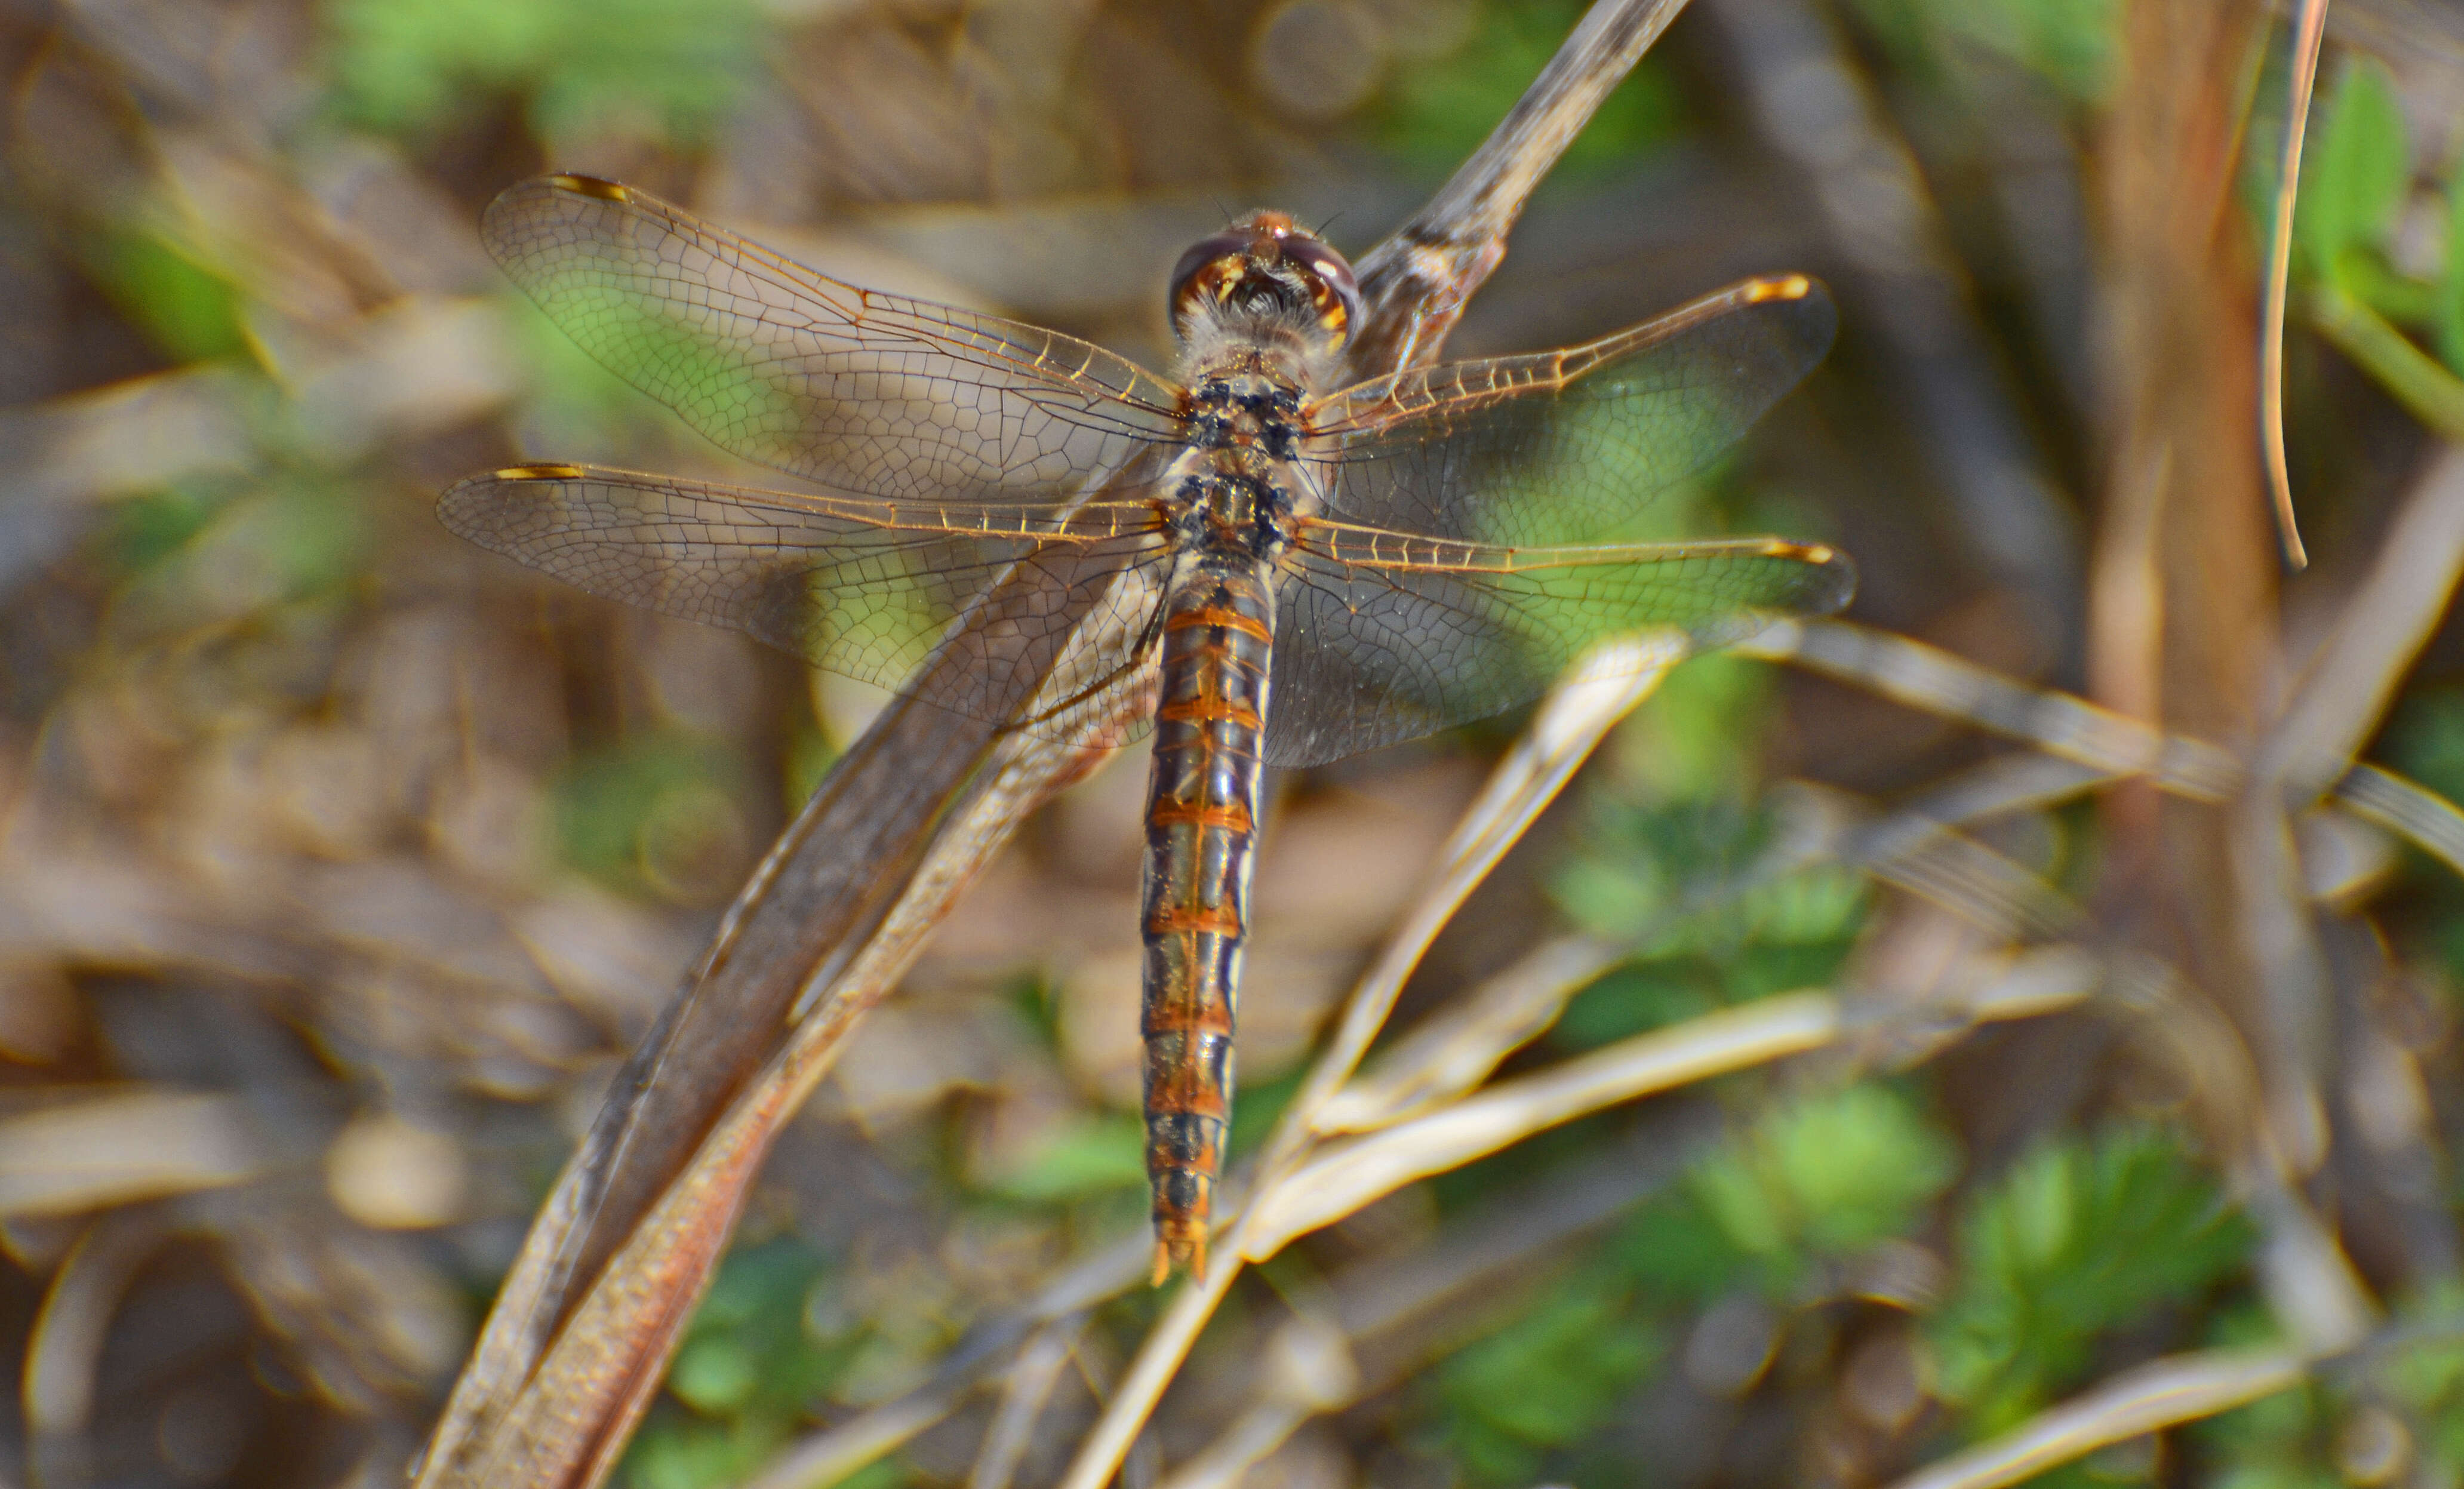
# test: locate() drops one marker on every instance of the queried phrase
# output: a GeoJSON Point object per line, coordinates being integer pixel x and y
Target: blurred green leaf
{"type": "Point", "coordinates": [810, 754]}
{"type": "Point", "coordinates": [667, 70]}
{"type": "Point", "coordinates": [1544, 1381]}
{"type": "Point", "coordinates": [2449, 316]}
{"type": "Point", "coordinates": [2069, 43]}
{"type": "Point", "coordinates": [643, 795]}
{"type": "Point", "coordinates": [147, 529]}
{"type": "Point", "coordinates": [189, 311]}
{"type": "Point", "coordinates": [1825, 1176]}
{"type": "Point", "coordinates": [2426, 1374]}
{"type": "Point", "coordinates": [1675, 1247]}
{"type": "Point", "coordinates": [1634, 998]}
{"type": "Point", "coordinates": [1684, 742]}
{"type": "Point", "coordinates": [751, 1369]}
{"type": "Point", "coordinates": [2078, 1238]}
{"type": "Point", "coordinates": [2407, 374]}
{"type": "Point", "coordinates": [1098, 1156]}
{"type": "Point", "coordinates": [2354, 170]}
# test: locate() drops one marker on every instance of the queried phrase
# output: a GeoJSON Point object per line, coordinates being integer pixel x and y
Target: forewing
{"type": "Point", "coordinates": [859, 587]}
{"type": "Point", "coordinates": [853, 389]}
{"type": "Point", "coordinates": [1574, 446]}
{"type": "Point", "coordinates": [1381, 636]}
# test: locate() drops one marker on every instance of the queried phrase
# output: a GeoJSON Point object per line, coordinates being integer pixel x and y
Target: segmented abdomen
{"type": "Point", "coordinates": [1201, 826]}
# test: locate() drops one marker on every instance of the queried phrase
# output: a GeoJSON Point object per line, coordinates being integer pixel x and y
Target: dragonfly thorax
{"type": "Point", "coordinates": [1235, 484]}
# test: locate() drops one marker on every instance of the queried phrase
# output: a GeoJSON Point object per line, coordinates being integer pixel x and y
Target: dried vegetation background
{"type": "Point", "coordinates": [2067, 1087]}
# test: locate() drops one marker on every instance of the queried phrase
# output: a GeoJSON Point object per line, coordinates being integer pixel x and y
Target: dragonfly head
{"type": "Point", "coordinates": [1265, 279]}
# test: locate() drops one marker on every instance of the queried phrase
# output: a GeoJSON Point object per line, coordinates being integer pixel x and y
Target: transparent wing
{"type": "Point", "coordinates": [1574, 446]}
{"type": "Point", "coordinates": [1382, 637]}
{"type": "Point", "coordinates": [850, 388]}
{"type": "Point", "coordinates": [863, 588]}
{"type": "Point", "coordinates": [1478, 521]}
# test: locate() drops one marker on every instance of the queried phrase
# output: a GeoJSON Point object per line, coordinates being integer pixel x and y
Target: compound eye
{"type": "Point", "coordinates": [1331, 269]}
{"type": "Point", "coordinates": [1202, 252]}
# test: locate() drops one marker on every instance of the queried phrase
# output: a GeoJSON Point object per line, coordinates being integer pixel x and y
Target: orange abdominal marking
{"type": "Point", "coordinates": [1210, 616]}
{"type": "Point", "coordinates": [1210, 710]}
{"type": "Point", "coordinates": [1231, 818]}
{"type": "Point", "coordinates": [1206, 920]}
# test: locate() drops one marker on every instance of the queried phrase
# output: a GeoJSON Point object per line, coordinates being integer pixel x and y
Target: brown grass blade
{"type": "Point", "coordinates": [2158, 1395]}
{"type": "Point", "coordinates": [2309, 36]}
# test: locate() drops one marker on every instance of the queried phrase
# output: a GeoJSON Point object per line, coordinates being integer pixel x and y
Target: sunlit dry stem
{"type": "Point", "coordinates": [2069, 728]}
{"type": "Point", "coordinates": [2309, 34]}
{"type": "Point", "coordinates": [2158, 1395]}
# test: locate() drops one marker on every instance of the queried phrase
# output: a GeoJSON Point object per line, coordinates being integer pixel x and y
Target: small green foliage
{"type": "Point", "coordinates": [1676, 1248]}
{"type": "Point", "coordinates": [190, 313]}
{"type": "Point", "coordinates": [200, 555]}
{"type": "Point", "coordinates": [1825, 1176]}
{"type": "Point", "coordinates": [667, 70]}
{"type": "Point", "coordinates": [2449, 311]}
{"type": "Point", "coordinates": [2076, 1238]}
{"type": "Point", "coordinates": [2071, 44]}
{"type": "Point", "coordinates": [1638, 998]}
{"type": "Point", "coordinates": [1544, 1381]}
{"type": "Point", "coordinates": [145, 530]}
{"type": "Point", "coordinates": [1100, 1155]}
{"type": "Point", "coordinates": [809, 757]}
{"type": "Point", "coordinates": [750, 1369]}
{"type": "Point", "coordinates": [1260, 1106]}
{"type": "Point", "coordinates": [2353, 171]}
{"type": "Point", "coordinates": [1672, 821]}
{"type": "Point", "coordinates": [627, 812]}
{"type": "Point", "coordinates": [1685, 742]}
{"type": "Point", "coordinates": [2426, 739]}
{"type": "Point", "coordinates": [2425, 1376]}
{"type": "Point", "coordinates": [1434, 113]}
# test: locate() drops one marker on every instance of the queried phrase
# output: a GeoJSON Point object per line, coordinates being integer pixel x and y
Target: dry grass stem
{"type": "Point", "coordinates": [2159, 1394]}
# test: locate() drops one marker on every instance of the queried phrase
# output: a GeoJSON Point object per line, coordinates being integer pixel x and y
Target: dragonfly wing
{"type": "Point", "coordinates": [1568, 446]}
{"type": "Point", "coordinates": [1478, 521]}
{"type": "Point", "coordinates": [850, 388]}
{"type": "Point", "coordinates": [1381, 638]}
{"type": "Point", "coordinates": [861, 587]}
{"type": "Point", "coordinates": [1386, 637]}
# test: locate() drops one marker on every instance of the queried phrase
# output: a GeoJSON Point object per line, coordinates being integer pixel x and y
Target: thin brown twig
{"type": "Point", "coordinates": [2309, 36]}
{"type": "Point", "coordinates": [2158, 1395]}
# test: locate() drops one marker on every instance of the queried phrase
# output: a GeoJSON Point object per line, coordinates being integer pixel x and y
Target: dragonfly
{"type": "Point", "coordinates": [1286, 565]}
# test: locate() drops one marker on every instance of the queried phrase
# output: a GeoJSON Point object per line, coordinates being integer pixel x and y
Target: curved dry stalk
{"type": "Point", "coordinates": [1359, 1173]}
{"type": "Point", "coordinates": [1348, 1177]}
{"type": "Point", "coordinates": [2158, 1395]}
{"type": "Point", "coordinates": [2111, 746]}
{"type": "Point", "coordinates": [2309, 36]}
{"type": "Point", "coordinates": [1933, 680]}
{"type": "Point", "coordinates": [1028, 1385]}
{"type": "Point", "coordinates": [2420, 816]}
